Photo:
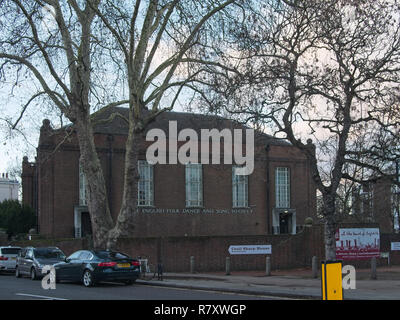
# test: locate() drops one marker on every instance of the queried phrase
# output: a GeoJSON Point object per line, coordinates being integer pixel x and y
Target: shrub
{"type": "Point", "coordinates": [16, 218]}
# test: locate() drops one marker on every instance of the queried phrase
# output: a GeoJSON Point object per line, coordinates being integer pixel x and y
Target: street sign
{"type": "Point", "coordinates": [251, 249]}
{"type": "Point", "coordinates": [331, 280]}
{"type": "Point", "coordinates": [395, 246]}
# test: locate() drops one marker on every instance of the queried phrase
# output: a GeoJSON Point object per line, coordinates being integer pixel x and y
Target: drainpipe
{"type": "Point", "coordinates": [35, 186]}
{"type": "Point", "coordinates": [110, 139]}
{"type": "Point", "coordinates": [269, 229]}
{"type": "Point", "coordinates": [397, 192]}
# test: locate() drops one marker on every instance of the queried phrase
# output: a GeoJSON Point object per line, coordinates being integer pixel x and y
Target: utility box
{"type": "Point", "coordinates": [331, 280]}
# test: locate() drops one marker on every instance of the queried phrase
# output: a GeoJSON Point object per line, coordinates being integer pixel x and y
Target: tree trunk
{"type": "Point", "coordinates": [330, 226]}
{"type": "Point", "coordinates": [97, 200]}
{"type": "Point", "coordinates": [125, 221]}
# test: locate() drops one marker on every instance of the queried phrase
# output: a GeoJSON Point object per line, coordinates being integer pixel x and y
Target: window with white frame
{"type": "Point", "coordinates": [366, 200]}
{"type": "Point", "coordinates": [282, 187]}
{"type": "Point", "coordinates": [82, 187]}
{"type": "Point", "coordinates": [145, 184]}
{"type": "Point", "coordinates": [194, 185]}
{"type": "Point", "coordinates": [395, 202]}
{"type": "Point", "coordinates": [239, 189]}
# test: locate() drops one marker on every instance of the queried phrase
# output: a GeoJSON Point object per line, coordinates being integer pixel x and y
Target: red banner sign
{"type": "Point", "coordinates": [357, 243]}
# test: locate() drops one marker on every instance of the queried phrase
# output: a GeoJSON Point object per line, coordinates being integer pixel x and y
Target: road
{"type": "Point", "coordinates": [12, 288]}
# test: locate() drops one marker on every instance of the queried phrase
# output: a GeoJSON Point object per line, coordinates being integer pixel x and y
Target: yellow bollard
{"type": "Point", "coordinates": [331, 280]}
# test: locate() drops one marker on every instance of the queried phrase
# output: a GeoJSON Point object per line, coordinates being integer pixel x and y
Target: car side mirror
{"type": "Point", "coordinates": [67, 260]}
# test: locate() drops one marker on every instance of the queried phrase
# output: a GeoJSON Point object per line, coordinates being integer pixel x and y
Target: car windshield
{"type": "Point", "coordinates": [49, 254]}
{"type": "Point", "coordinates": [111, 255]}
{"type": "Point", "coordinates": [10, 250]}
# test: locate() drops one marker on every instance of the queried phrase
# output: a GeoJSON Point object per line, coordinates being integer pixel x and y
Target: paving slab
{"type": "Point", "coordinates": [296, 284]}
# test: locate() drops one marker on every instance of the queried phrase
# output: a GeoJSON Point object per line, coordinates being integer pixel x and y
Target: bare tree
{"type": "Point", "coordinates": [327, 70]}
{"type": "Point", "coordinates": [50, 43]}
{"type": "Point", "coordinates": [66, 48]}
{"type": "Point", "coordinates": [159, 49]}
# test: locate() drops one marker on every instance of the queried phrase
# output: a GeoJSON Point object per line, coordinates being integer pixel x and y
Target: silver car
{"type": "Point", "coordinates": [31, 260]}
{"type": "Point", "coordinates": [8, 258]}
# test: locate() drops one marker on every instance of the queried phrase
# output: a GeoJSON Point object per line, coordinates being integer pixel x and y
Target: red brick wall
{"type": "Point", "coordinates": [288, 251]}
{"type": "Point", "coordinates": [382, 205]}
{"type": "Point", "coordinates": [68, 246]}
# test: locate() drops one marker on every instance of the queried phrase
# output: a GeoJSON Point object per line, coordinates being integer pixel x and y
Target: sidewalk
{"type": "Point", "coordinates": [285, 284]}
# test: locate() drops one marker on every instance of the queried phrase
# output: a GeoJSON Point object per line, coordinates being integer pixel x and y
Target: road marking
{"type": "Point", "coordinates": [261, 295]}
{"type": "Point", "coordinates": [37, 296]}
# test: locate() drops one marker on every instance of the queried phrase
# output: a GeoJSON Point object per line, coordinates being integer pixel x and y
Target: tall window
{"type": "Point", "coordinates": [366, 200]}
{"type": "Point", "coordinates": [194, 185]}
{"type": "Point", "coordinates": [282, 187]}
{"type": "Point", "coordinates": [239, 190]}
{"type": "Point", "coordinates": [145, 184]}
{"type": "Point", "coordinates": [82, 187]}
{"type": "Point", "coordinates": [395, 201]}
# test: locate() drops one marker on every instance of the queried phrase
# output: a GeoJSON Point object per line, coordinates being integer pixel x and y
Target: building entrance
{"type": "Point", "coordinates": [285, 221]}
{"type": "Point", "coordinates": [86, 224]}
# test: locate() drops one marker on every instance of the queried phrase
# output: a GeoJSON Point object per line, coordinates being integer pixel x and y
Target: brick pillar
{"type": "Point", "coordinates": [28, 185]}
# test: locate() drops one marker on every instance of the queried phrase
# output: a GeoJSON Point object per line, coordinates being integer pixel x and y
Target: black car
{"type": "Point", "coordinates": [31, 261]}
{"type": "Point", "coordinates": [92, 266]}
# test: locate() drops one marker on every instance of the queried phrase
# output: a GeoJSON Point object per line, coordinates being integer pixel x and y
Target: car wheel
{"type": "Point", "coordinates": [129, 282]}
{"type": "Point", "coordinates": [17, 273]}
{"type": "Point", "coordinates": [33, 274]}
{"type": "Point", "coordinates": [87, 278]}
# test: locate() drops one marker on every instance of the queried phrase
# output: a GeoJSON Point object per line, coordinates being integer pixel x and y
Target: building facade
{"type": "Point", "coordinates": [9, 188]}
{"type": "Point", "coordinates": [173, 199]}
{"type": "Point", "coordinates": [377, 202]}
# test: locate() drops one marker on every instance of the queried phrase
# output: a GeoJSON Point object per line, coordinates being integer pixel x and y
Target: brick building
{"type": "Point", "coordinates": [174, 199]}
{"type": "Point", "coordinates": [376, 201]}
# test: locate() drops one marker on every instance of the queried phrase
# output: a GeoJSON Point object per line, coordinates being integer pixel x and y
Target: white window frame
{"type": "Point", "coordinates": [240, 194]}
{"type": "Point", "coordinates": [82, 187]}
{"type": "Point", "coordinates": [282, 187]}
{"type": "Point", "coordinates": [193, 182]}
{"type": "Point", "coordinates": [145, 184]}
{"type": "Point", "coordinates": [394, 200]}
{"type": "Point", "coordinates": [366, 200]}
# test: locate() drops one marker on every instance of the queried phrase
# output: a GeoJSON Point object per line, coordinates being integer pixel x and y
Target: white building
{"type": "Point", "coordinates": [8, 188]}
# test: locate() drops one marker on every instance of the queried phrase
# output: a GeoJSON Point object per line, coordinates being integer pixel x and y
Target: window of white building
{"type": "Point", "coordinates": [282, 187]}
{"type": "Point", "coordinates": [194, 185]}
{"type": "Point", "coordinates": [145, 184]}
{"type": "Point", "coordinates": [82, 187]}
{"type": "Point", "coordinates": [239, 190]}
{"type": "Point", "coordinates": [395, 202]}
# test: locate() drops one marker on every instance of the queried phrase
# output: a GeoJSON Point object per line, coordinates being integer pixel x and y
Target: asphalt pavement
{"type": "Point", "coordinates": [285, 284]}
{"type": "Point", "coordinates": [12, 288]}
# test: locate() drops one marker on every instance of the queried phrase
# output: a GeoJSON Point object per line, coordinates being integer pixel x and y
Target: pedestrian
{"type": "Point", "coordinates": [160, 270]}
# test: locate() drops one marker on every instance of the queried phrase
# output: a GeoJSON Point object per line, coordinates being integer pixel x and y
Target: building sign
{"type": "Point", "coordinates": [357, 243]}
{"type": "Point", "coordinates": [251, 249]}
{"type": "Point", "coordinates": [195, 211]}
{"type": "Point", "coordinates": [395, 246]}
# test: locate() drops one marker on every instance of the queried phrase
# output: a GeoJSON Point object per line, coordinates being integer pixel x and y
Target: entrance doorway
{"type": "Point", "coordinates": [86, 224]}
{"type": "Point", "coordinates": [82, 223]}
{"type": "Point", "coordinates": [285, 219]}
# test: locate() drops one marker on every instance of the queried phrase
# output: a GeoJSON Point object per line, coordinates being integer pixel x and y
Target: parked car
{"type": "Point", "coordinates": [8, 258]}
{"type": "Point", "coordinates": [92, 266]}
{"type": "Point", "coordinates": [31, 260]}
